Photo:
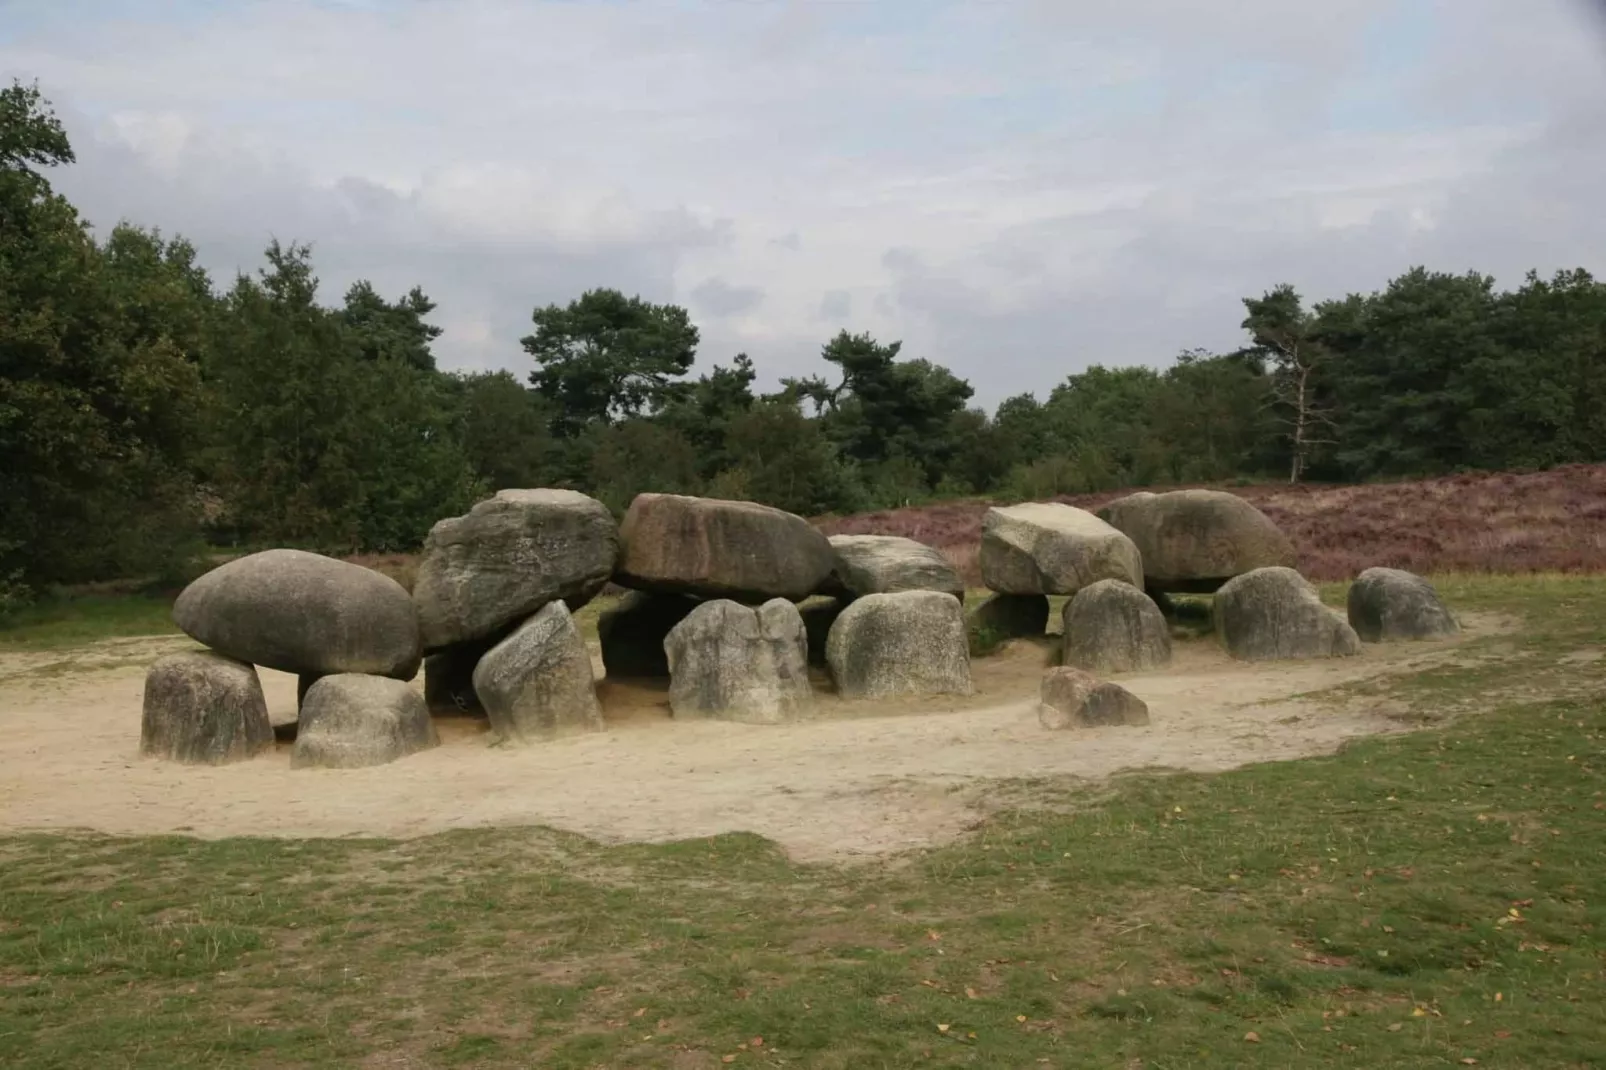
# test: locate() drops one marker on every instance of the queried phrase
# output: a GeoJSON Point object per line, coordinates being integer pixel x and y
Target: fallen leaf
{"type": "Point", "coordinates": [970, 993]}
{"type": "Point", "coordinates": [1020, 1017]}
{"type": "Point", "coordinates": [1469, 1061]}
{"type": "Point", "coordinates": [1418, 1012]}
{"type": "Point", "coordinates": [943, 1027]}
{"type": "Point", "coordinates": [933, 934]}
{"type": "Point", "coordinates": [929, 983]}
{"type": "Point", "coordinates": [639, 1013]}
{"type": "Point", "coordinates": [1252, 1037]}
{"type": "Point", "coordinates": [1499, 997]}
{"type": "Point", "coordinates": [1502, 1033]}
{"type": "Point", "coordinates": [728, 1059]}
{"type": "Point", "coordinates": [1396, 1027]}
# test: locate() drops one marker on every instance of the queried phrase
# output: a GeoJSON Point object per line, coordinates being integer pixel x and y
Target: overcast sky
{"type": "Point", "coordinates": [1015, 188]}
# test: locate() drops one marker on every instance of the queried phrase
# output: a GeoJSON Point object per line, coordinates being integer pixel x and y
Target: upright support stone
{"type": "Point", "coordinates": [536, 684]}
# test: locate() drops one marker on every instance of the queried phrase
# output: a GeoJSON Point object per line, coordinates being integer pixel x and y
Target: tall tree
{"type": "Point", "coordinates": [391, 331]}
{"type": "Point", "coordinates": [1290, 336]}
{"type": "Point", "coordinates": [606, 356]}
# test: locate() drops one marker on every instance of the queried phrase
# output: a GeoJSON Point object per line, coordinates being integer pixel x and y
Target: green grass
{"type": "Point", "coordinates": [1419, 900]}
{"type": "Point", "coordinates": [74, 620]}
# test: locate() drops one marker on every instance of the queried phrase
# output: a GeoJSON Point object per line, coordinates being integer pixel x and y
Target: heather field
{"type": "Point", "coordinates": [1501, 522]}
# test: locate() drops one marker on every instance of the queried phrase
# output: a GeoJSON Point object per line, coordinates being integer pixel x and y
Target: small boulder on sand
{"type": "Point", "coordinates": [1047, 548]}
{"type": "Point", "coordinates": [907, 643]}
{"type": "Point", "coordinates": [506, 558]}
{"type": "Point", "coordinates": [300, 612]}
{"type": "Point", "coordinates": [1010, 616]}
{"type": "Point", "coordinates": [1274, 613]}
{"type": "Point", "coordinates": [352, 720]}
{"type": "Point", "coordinates": [721, 549]}
{"type": "Point", "coordinates": [1114, 627]}
{"type": "Point", "coordinates": [631, 633]}
{"type": "Point", "coordinates": [881, 564]}
{"type": "Point", "coordinates": [1196, 540]}
{"type": "Point", "coordinates": [204, 708]}
{"type": "Point", "coordinates": [737, 663]}
{"type": "Point", "coordinates": [1390, 603]}
{"type": "Point", "coordinates": [1071, 698]}
{"type": "Point", "coordinates": [536, 684]}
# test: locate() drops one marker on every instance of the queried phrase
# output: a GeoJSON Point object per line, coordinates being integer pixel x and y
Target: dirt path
{"type": "Point", "coordinates": [857, 781]}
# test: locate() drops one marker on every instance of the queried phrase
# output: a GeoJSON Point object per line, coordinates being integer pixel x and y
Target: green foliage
{"type": "Point", "coordinates": [506, 431]}
{"type": "Point", "coordinates": [606, 357]}
{"type": "Point", "coordinates": [640, 455]}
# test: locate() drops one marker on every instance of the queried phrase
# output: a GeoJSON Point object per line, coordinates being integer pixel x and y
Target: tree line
{"type": "Point", "coordinates": [146, 411]}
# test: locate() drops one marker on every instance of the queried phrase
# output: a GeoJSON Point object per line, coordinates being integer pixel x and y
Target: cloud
{"type": "Point", "coordinates": [1015, 190]}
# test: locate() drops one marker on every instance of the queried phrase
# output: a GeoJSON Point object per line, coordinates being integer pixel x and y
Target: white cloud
{"type": "Point", "coordinates": [1015, 189]}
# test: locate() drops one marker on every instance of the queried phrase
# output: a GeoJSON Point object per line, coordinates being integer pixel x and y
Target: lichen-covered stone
{"type": "Point", "coordinates": [536, 684]}
{"type": "Point", "coordinates": [1047, 548]}
{"type": "Point", "coordinates": [1072, 698]}
{"type": "Point", "coordinates": [1274, 613]}
{"type": "Point", "coordinates": [204, 708]}
{"type": "Point", "coordinates": [1196, 540]}
{"type": "Point", "coordinates": [909, 642]}
{"type": "Point", "coordinates": [880, 564]}
{"type": "Point", "coordinates": [352, 720]}
{"type": "Point", "coordinates": [737, 663]}
{"type": "Point", "coordinates": [1390, 603]}
{"type": "Point", "coordinates": [1114, 627]}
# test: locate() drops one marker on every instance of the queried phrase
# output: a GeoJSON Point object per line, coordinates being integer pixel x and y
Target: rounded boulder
{"type": "Point", "coordinates": [1048, 548]}
{"type": "Point", "coordinates": [203, 708]}
{"type": "Point", "coordinates": [1390, 603]}
{"type": "Point", "coordinates": [905, 643]}
{"type": "Point", "coordinates": [1193, 541]}
{"type": "Point", "coordinates": [738, 663]}
{"type": "Point", "coordinates": [303, 613]}
{"type": "Point", "coordinates": [1274, 613]}
{"type": "Point", "coordinates": [353, 720]}
{"type": "Point", "coordinates": [881, 564]}
{"type": "Point", "coordinates": [1071, 698]}
{"type": "Point", "coordinates": [1114, 627]}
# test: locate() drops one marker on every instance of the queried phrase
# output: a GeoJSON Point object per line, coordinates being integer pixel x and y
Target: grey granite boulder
{"type": "Point", "coordinates": [509, 556]}
{"type": "Point", "coordinates": [1114, 627]}
{"type": "Point", "coordinates": [303, 613]}
{"type": "Point", "coordinates": [721, 549]}
{"type": "Point", "coordinates": [1196, 540]}
{"type": "Point", "coordinates": [1046, 548]}
{"type": "Point", "coordinates": [1072, 698]}
{"type": "Point", "coordinates": [536, 684]}
{"type": "Point", "coordinates": [1390, 603]}
{"type": "Point", "coordinates": [352, 720]}
{"type": "Point", "coordinates": [909, 642]}
{"type": "Point", "coordinates": [1274, 613]}
{"type": "Point", "coordinates": [205, 709]}
{"type": "Point", "coordinates": [737, 663]}
{"type": "Point", "coordinates": [880, 564]}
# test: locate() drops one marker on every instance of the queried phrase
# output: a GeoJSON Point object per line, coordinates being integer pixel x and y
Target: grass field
{"type": "Point", "coordinates": [1423, 900]}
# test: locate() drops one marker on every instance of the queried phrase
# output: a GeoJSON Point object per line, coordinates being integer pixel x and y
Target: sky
{"type": "Point", "coordinates": [1016, 189]}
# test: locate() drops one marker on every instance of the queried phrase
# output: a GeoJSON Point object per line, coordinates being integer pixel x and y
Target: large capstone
{"type": "Point", "coordinates": [1274, 613]}
{"type": "Point", "coordinates": [631, 633]}
{"type": "Point", "coordinates": [352, 720]}
{"type": "Point", "coordinates": [303, 613]}
{"type": "Point", "coordinates": [738, 663]}
{"type": "Point", "coordinates": [906, 643]}
{"type": "Point", "coordinates": [1196, 540]}
{"type": "Point", "coordinates": [536, 684]}
{"type": "Point", "coordinates": [721, 549]}
{"type": "Point", "coordinates": [204, 708]}
{"type": "Point", "coordinates": [881, 564]}
{"type": "Point", "coordinates": [509, 556]}
{"type": "Point", "coordinates": [1112, 626]}
{"type": "Point", "coordinates": [1072, 698]}
{"type": "Point", "coordinates": [1047, 548]}
{"type": "Point", "coordinates": [1390, 603]}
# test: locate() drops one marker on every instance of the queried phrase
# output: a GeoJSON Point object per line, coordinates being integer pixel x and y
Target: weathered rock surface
{"type": "Point", "coordinates": [632, 633]}
{"type": "Point", "coordinates": [721, 549]}
{"type": "Point", "coordinates": [1046, 548]}
{"type": "Point", "coordinates": [303, 613]}
{"type": "Point", "coordinates": [738, 663]}
{"type": "Point", "coordinates": [1274, 613]}
{"type": "Point", "coordinates": [1196, 540]}
{"type": "Point", "coordinates": [881, 564]}
{"type": "Point", "coordinates": [449, 678]}
{"type": "Point", "coordinates": [1072, 698]}
{"type": "Point", "coordinates": [1011, 616]}
{"type": "Point", "coordinates": [1112, 626]}
{"type": "Point", "coordinates": [204, 708]}
{"type": "Point", "coordinates": [506, 558]}
{"type": "Point", "coordinates": [536, 684]}
{"type": "Point", "coordinates": [1390, 603]}
{"type": "Point", "coordinates": [909, 642]}
{"type": "Point", "coordinates": [352, 720]}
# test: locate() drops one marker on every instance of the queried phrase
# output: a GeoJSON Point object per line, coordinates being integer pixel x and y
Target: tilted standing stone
{"type": "Point", "coordinates": [631, 633]}
{"type": "Point", "coordinates": [734, 662]}
{"type": "Point", "coordinates": [1193, 541]}
{"type": "Point", "coordinates": [1047, 548]}
{"type": "Point", "coordinates": [1071, 698]}
{"type": "Point", "coordinates": [1390, 603]}
{"type": "Point", "coordinates": [880, 564]}
{"type": "Point", "coordinates": [1114, 627]}
{"type": "Point", "coordinates": [508, 557]}
{"type": "Point", "coordinates": [1274, 613]}
{"type": "Point", "coordinates": [906, 643]}
{"type": "Point", "coordinates": [204, 708]}
{"type": "Point", "coordinates": [351, 721]}
{"type": "Point", "coordinates": [720, 549]}
{"type": "Point", "coordinates": [536, 684]}
{"type": "Point", "coordinates": [303, 613]}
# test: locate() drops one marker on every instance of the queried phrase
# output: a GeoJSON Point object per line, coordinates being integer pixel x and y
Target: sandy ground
{"type": "Point", "coordinates": [856, 781]}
